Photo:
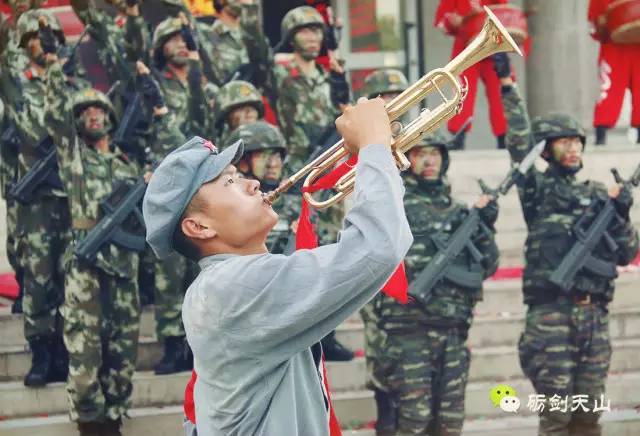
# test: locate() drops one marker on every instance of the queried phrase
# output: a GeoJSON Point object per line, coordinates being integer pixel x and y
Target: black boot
{"type": "Point", "coordinates": [176, 356]}
{"type": "Point", "coordinates": [38, 375]}
{"type": "Point", "coordinates": [333, 350]}
{"type": "Point", "coordinates": [501, 144]}
{"type": "Point", "coordinates": [111, 427]}
{"type": "Point", "coordinates": [60, 361]}
{"type": "Point", "coordinates": [458, 141]}
{"type": "Point", "coordinates": [90, 428]}
{"type": "Point", "coordinates": [387, 415]}
{"type": "Point", "coordinates": [601, 135]}
{"type": "Point", "coordinates": [638, 138]}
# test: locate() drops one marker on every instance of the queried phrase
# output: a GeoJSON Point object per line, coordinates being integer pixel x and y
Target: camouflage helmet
{"type": "Point", "coordinates": [384, 81]}
{"type": "Point", "coordinates": [258, 136]}
{"type": "Point", "coordinates": [302, 16]}
{"type": "Point", "coordinates": [86, 97]}
{"type": "Point", "coordinates": [163, 32]}
{"type": "Point", "coordinates": [237, 93]}
{"type": "Point", "coordinates": [28, 25]}
{"type": "Point", "coordinates": [438, 140]}
{"type": "Point", "coordinates": [556, 125]}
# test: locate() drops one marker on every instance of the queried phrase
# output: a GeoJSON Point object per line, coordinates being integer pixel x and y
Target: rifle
{"type": "Point", "coordinates": [120, 205]}
{"type": "Point", "coordinates": [580, 254]}
{"type": "Point", "coordinates": [207, 68]}
{"type": "Point", "coordinates": [43, 173]}
{"type": "Point", "coordinates": [441, 266]}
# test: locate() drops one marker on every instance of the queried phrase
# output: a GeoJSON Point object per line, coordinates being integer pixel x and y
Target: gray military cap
{"type": "Point", "coordinates": [174, 183]}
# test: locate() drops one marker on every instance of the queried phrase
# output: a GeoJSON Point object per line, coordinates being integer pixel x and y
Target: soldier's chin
{"type": "Point", "coordinates": [309, 55]}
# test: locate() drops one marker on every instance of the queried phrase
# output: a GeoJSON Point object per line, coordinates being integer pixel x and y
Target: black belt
{"type": "Point", "coordinates": [579, 299]}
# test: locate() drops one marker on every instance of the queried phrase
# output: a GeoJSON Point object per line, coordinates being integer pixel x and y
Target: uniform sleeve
{"type": "Point", "coordinates": [294, 301]}
{"type": "Point", "coordinates": [199, 122]}
{"type": "Point", "coordinates": [485, 241]}
{"type": "Point", "coordinates": [626, 237]}
{"type": "Point", "coordinates": [258, 49]}
{"type": "Point", "coordinates": [61, 127]}
{"type": "Point", "coordinates": [166, 137]}
{"type": "Point", "coordinates": [518, 142]}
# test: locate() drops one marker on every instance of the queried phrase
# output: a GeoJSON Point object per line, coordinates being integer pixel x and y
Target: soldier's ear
{"type": "Point", "coordinates": [192, 228]}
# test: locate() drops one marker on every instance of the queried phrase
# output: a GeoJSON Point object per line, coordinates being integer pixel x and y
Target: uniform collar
{"type": "Point", "coordinates": [213, 259]}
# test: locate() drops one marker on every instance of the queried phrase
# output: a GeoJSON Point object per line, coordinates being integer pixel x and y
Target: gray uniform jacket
{"type": "Point", "coordinates": [251, 320]}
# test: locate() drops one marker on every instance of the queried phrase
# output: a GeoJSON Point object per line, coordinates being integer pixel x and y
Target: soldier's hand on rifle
{"type": "Point", "coordinates": [488, 209]}
{"type": "Point", "coordinates": [48, 40]}
{"type": "Point", "coordinates": [623, 199]}
{"type": "Point", "coordinates": [150, 89]}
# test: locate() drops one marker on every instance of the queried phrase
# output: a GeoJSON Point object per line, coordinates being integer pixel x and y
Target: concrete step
{"type": "Point", "coordinates": [359, 407]}
{"type": "Point", "coordinates": [167, 421]}
{"type": "Point", "coordinates": [490, 364]}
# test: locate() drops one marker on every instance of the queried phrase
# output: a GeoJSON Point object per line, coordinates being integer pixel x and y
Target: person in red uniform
{"type": "Point", "coordinates": [619, 69]}
{"type": "Point", "coordinates": [450, 18]}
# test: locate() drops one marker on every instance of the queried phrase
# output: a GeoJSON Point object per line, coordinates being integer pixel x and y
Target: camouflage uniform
{"type": "Point", "coordinates": [13, 62]}
{"type": "Point", "coordinates": [421, 356]}
{"type": "Point", "coordinates": [43, 225]}
{"type": "Point", "coordinates": [233, 95]}
{"type": "Point", "coordinates": [565, 348]}
{"type": "Point", "coordinates": [304, 107]}
{"type": "Point", "coordinates": [186, 100]}
{"type": "Point", "coordinates": [101, 309]}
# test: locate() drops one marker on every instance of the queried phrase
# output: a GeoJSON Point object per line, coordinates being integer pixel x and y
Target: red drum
{"type": "Point", "coordinates": [623, 21]}
{"type": "Point", "coordinates": [511, 17]}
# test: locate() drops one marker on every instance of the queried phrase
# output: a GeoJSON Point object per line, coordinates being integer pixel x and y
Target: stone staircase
{"type": "Point", "coordinates": [493, 338]}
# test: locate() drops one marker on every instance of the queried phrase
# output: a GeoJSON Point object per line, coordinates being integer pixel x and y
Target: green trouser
{"type": "Point", "coordinates": [101, 323]}
{"type": "Point", "coordinates": [565, 351]}
{"type": "Point", "coordinates": [43, 237]}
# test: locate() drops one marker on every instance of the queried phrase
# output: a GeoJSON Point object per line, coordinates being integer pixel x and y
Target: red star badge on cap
{"type": "Point", "coordinates": [210, 146]}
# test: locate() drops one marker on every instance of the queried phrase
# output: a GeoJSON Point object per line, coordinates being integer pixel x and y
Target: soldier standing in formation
{"type": "Point", "coordinates": [422, 366]}
{"type": "Point", "coordinates": [565, 348]}
{"type": "Point", "coordinates": [43, 224]}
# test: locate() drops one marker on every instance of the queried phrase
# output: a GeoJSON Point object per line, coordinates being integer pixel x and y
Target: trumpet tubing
{"type": "Point", "coordinates": [493, 39]}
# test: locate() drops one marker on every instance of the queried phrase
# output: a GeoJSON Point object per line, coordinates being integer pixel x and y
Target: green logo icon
{"type": "Point", "coordinates": [499, 392]}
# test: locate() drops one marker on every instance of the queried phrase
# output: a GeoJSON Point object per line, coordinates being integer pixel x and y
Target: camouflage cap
{"type": "Point", "coordinates": [384, 81]}
{"type": "Point", "coordinates": [556, 125]}
{"type": "Point", "coordinates": [302, 16]}
{"type": "Point", "coordinates": [258, 136]}
{"type": "Point", "coordinates": [238, 93]}
{"type": "Point", "coordinates": [438, 140]}
{"type": "Point", "coordinates": [84, 98]}
{"type": "Point", "coordinates": [28, 25]}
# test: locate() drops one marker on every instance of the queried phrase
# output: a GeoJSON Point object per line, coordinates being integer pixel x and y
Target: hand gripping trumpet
{"type": "Point", "coordinates": [493, 38]}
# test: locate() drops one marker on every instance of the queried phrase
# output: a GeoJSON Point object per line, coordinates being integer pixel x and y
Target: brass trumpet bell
{"type": "Point", "coordinates": [493, 39]}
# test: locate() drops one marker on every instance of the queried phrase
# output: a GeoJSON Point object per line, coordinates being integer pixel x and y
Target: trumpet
{"type": "Point", "coordinates": [493, 39]}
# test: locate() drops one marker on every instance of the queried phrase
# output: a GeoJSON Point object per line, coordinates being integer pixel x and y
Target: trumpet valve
{"type": "Point", "coordinates": [401, 160]}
